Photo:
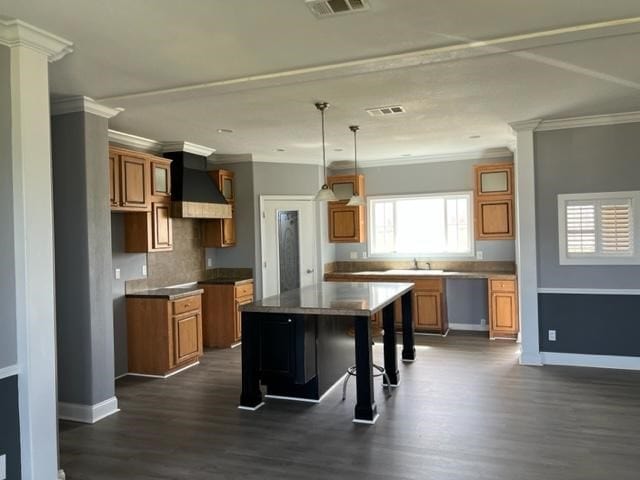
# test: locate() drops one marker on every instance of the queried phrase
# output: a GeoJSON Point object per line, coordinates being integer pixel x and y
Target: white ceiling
{"type": "Point", "coordinates": [184, 69]}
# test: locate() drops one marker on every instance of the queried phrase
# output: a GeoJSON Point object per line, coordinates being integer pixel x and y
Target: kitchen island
{"type": "Point", "coordinates": [294, 342]}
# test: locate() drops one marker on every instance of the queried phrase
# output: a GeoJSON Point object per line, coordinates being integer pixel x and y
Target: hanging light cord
{"type": "Point", "coordinates": [354, 129]}
{"type": "Point", "coordinates": [324, 156]}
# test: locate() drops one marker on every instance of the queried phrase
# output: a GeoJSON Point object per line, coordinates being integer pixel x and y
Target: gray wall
{"type": "Point", "coordinates": [585, 160]}
{"type": "Point", "coordinates": [9, 426]}
{"type": "Point", "coordinates": [582, 160]}
{"type": "Point", "coordinates": [8, 340]}
{"type": "Point", "coordinates": [242, 255]}
{"type": "Point", "coordinates": [437, 177]}
{"type": "Point", "coordinates": [84, 312]}
{"type": "Point", "coordinates": [130, 265]}
{"type": "Point", "coordinates": [467, 301]}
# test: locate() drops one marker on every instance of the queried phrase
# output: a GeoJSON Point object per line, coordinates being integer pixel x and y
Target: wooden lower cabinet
{"type": "Point", "coordinates": [163, 335]}
{"type": "Point", "coordinates": [503, 309]}
{"type": "Point", "coordinates": [222, 321]}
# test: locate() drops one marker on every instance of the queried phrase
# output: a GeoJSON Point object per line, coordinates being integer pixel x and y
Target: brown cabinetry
{"type": "Point", "coordinates": [494, 201]}
{"type": "Point", "coordinates": [346, 223]}
{"type": "Point", "coordinates": [221, 312]}
{"type": "Point", "coordinates": [503, 308]}
{"type": "Point", "coordinates": [220, 233]}
{"type": "Point", "coordinates": [163, 335]}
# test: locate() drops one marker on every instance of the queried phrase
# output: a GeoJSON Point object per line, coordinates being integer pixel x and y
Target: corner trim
{"type": "Point", "coordinates": [10, 371]}
{"type": "Point", "coordinates": [590, 291]}
{"type": "Point", "coordinates": [16, 33]}
{"type": "Point", "coordinates": [594, 361]}
{"type": "Point", "coordinates": [187, 147]}
{"type": "Point", "coordinates": [490, 153]}
{"type": "Point", "coordinates": [134, 141]}
{"type": "Point", "coordinates": [82, 104]}
{"type": "Point", "coordinates": [76, 412]}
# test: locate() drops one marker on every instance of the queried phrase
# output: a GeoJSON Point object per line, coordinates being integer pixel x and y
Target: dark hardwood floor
{"type": "Point", "coordinates": [464, 410]}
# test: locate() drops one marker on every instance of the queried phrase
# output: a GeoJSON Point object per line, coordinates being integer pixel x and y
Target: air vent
{"type": "Point", "coordinates": [330, 8]}
{"type": "Point", "coordinates": [382, 111]}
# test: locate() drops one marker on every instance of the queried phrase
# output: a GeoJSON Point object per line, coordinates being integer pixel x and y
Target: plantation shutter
{"type": "Point", "coordinates": [616, 229]}
{"type": "Point", "coordinates": [581, 227]}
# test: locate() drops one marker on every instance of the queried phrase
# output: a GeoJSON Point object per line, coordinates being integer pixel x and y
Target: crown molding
{"type": "Point", "coordinates": [489, 153]}
{"type": "Point", "coordinates": [589, 121]}
{"type": "Point", "coordinates": [16, 33]}
{"type": "Point", "coordinates": [525, 125]}
{"type": "Point", "coordinates": [82, 104]}
{"type": "Point", "coordinates": [188, 147]}
{"type": "Point", "coordinates": [134, 141]}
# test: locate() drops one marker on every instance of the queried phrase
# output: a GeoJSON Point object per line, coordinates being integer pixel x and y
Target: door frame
{"type": "Point", "coordinates": [318, 234]}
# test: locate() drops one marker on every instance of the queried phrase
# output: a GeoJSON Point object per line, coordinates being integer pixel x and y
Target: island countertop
{"type": "Point", "coordinates": [169, 293]}
{"type": "Point", "coordinates": [331, 298]}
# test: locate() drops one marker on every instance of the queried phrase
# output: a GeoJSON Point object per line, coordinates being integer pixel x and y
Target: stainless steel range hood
{"type": "Point", "coordinates": [194, 193]}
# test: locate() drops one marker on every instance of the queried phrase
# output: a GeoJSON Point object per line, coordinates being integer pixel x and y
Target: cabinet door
{"type": "Point", "coordinates": [427, 311]}
{"type": "Point", "coordinates": [187, 337]}
{"type": "Point", "coordinates": [494, 180]}
{"type": "Point", "coordinates": [494, 219]}
{"type": "Point", "coordinates": [346, 224]}
{"type": "Point", "coordinates": [344, 186]}
{"type": "Point", "coordinates": [160, 178]}
{"type": "Point", "coordinates": [162, 227]}
{"type": "Point", "coordinates": [114, 180]}
{"type": "Point", "coordinates": [237, 324]}
{"type": "Point", "coordinates": [504, 312]}
{"type": "Point", "coordinates": [229, 229]}
{"type": "Point", "coordinates": [133, 174]}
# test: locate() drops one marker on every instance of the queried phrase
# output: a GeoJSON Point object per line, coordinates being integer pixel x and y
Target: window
{"type": "Point", "coordinates": [599, 228]}
{"type": "Point", "coordinates": [434, 225]}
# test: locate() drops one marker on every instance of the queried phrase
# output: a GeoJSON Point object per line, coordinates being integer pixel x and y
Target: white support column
{"type": "Point", "coordinates": [526, 252]}
{"type": "Point", "coordinates": [31, 51]}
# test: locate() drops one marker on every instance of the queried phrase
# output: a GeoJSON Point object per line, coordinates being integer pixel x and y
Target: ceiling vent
{"type": "Point", "coordinates": [383, 111]}
{"type": "Point", "coordinates": [330, 8]}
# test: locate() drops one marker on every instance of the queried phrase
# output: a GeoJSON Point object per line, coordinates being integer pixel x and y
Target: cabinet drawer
{"type": "Point", "coordinates": [244, 290]}
{"type": "Point", "coordinates": [188, 304]}
{"type": "Point", "coordinates": [503, 285]}
{"type": "Point", "coordinates": [431, 284]}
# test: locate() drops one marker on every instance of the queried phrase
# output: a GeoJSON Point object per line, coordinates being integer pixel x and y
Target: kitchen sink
{"type": "Point", "coordinates": [413, 272]}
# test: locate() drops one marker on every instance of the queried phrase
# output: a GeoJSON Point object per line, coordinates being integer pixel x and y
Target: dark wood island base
{"type": "Point", "coordinates": [296, 344]}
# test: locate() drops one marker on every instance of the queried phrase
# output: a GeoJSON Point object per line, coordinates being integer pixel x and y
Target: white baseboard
{"type": "Point", "coordinates": [595, 361]}
{"type": "Point", "coordinates": [530, 358]}
{"type": "Point", "coordinates": [9, 371]}
{"type": "Point", "coordinates": [146, 375]}
{"type": "Point", "coordinates": [76, 412]}
{"type": "Point", "coordinates": [468, 327]}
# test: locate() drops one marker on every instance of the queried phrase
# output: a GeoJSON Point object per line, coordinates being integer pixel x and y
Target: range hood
{"type": "Point", "coordinates": [194, 193]}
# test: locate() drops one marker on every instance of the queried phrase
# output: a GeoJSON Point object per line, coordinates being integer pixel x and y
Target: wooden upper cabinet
{"type": "Point", "coordinates": [160, 177]}
{"type": "Point", "coordinates": [346, 224]}
{"type": "Point", "coordinates": [162, 229]}
{"type": "Point", "coordinates": [114, 180]}
{"type": "Point", "coordinates": [134, 180]}
{"type": "Point", "coordinates": [494, 201]}
{"type": "Point", "coordinates": [220, 233]}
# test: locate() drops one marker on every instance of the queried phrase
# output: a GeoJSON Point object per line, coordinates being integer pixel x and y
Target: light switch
{"type": "Point", "coordinates": [552, 335]}
{"type": "Point", "coordinates": [209, 262]}
{"type": "Point", "coordinates": [3, 467]}
{"type": "Point", "coordinates": [479, 255]}
{"type": "Point", "coordinates": [117, 274]}
{"type": "Point", "coordinates": [353, 255]}
{"type": "Point", "coordinates": [144, 270]}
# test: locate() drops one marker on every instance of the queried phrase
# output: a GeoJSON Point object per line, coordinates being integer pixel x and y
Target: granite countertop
{"type": "Point", "coordinates": [169, 293]}
{"type": "Point", "coordinates": [332, 298]}
{"type": "Point", "coordinates": [226, 281]}
{"type": "Point", "coordinates": [422, 274]}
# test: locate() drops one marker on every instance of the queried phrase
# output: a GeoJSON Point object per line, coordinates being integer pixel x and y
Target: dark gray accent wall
{"type": "Point", "coordinates": [8, 341]}
{"type": "Point", "coordinates": [437, 177]}
{"type": "Point", "coordinates": [467, 301]}
{"type": "Point", "coordinates": [590, 324]}
{"type": "Point", "coordinates": [243, 254]}
{"type": "Point", "coordinates": [84, 309]}
{"type": "Point", "coordinates": [130, 265]}
{"type": "Point", "coordinates": [10, 426]}
{"type": "Point", "coordinates": [582, 160]}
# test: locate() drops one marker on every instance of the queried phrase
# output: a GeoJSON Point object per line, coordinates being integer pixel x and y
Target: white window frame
{"type": "Point", "coordinates": [370, 226]}
{"type": "Point", "coordinates": [599, 258]}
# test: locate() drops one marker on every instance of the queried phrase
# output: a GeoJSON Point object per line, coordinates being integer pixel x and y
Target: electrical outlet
{"type": "Point", "coordinates": [479, 255]}
{"type": "Point", "coordinates": [364, 254]}
{"type": "Point", "coordinates": [483, 321]}
{"type": "Point", "coordinates": [552, 335]}
{"type": "Point", "coordinates": [353, 255]}
{"type": "Point", "coordinates": [209, 262]}
{"type": "Point", "coordinates": [144, 270]}
{"type": "Point", "coordinates": [117, 274]}
{"type": "Point", "coordinates": [3, 467]}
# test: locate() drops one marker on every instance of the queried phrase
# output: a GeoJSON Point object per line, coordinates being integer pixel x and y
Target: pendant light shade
{"type": "Point", "coordinates": [356, 200]}
{"type": "Point", "coordinates": [325, 194]}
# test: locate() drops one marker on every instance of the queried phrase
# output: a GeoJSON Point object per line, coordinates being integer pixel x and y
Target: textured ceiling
{"type": "Point", "coordinates": [132, 47]}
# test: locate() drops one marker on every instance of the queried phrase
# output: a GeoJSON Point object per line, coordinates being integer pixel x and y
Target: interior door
{"type": "Point", "coordinates": [280, 254]}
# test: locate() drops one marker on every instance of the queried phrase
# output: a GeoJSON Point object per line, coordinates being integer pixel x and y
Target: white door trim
{"type": "Point", "coordinates": [285, 198]}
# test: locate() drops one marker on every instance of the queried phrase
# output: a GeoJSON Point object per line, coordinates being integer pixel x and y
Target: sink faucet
{"type": "Point", "coordinates": [417, 267]}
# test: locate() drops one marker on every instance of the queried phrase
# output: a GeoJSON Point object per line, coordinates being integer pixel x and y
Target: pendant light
{"type": "Point", "coordinates": [356, 200]}
{"type": "Point", "coordinates": [325, 194]}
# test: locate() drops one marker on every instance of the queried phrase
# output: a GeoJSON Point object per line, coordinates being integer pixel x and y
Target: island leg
{"type": "Point", "coordinates": [365, 410]}
{"type": "Point", "coordinates": [408, 343]}
{"type": "Point", "coordinates": [251, 396]}
{"type": "Point", "coordinates": [390, 347]}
